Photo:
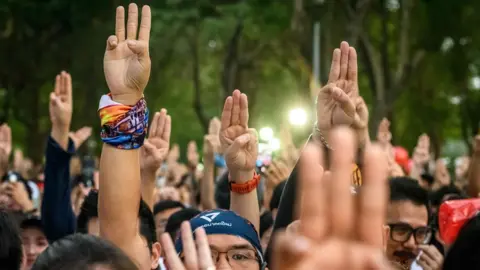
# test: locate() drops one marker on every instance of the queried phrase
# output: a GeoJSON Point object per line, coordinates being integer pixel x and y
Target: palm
{"type": "Point", "coordinates": [124, 72]}
{"type": "Point", "coordinates": [127, 61]}
{"type": "Point", "coordinates": [155, 157]}
{"type": "Point", "coordinates": [238, 142]}
{"type": "Point", "coordinates": [60, 106]}
{"type": "Point", "coordinates": [156, 147]}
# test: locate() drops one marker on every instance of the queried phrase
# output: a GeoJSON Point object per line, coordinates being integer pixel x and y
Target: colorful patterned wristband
{"type": "Point", "coordinates": [123, 127]}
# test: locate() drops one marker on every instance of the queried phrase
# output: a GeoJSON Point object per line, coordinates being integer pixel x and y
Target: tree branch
{"type": "Point", "coordinates": [372, 63]}
{"type": "Point", "coordinates": [404, 39]}
{"type": "Point", "coordinates": [355, 17]}
{"type": "Point", "coordinates": [230, 64]}
{"type": "Point", "coordinates": [197, 102]}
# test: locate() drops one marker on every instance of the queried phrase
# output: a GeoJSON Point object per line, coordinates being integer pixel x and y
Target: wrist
{"type": "Point", "coordinates": [209, 156]}
{"type": "Point", "coordinates": [241, 176]}
{"type": "Point", "coordinates": [127, 99]}
{"type": "Point", "coordinates": [60, 136]}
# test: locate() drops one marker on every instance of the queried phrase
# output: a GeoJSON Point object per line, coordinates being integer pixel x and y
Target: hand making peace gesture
{"type": "Point", "coordinates": [239, 143]}
{"type": "Point", "coordinates": [339, 102]}
{"type": "Point", "coordinates": [127, 61]}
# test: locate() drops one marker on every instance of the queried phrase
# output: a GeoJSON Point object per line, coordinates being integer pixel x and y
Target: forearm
{"type": "Point", "coordinates": [148, 187]}
{"type": "Point", "coordinates": [245, 205]}
{"type": "Point", "coordinates": [60, 135]}
{"type": "Point", "coordinates": [57, 213]}
{"type": "Point", "coordinates": [206, 185]}
{"type": "Point", "coordinates": [119, 195]}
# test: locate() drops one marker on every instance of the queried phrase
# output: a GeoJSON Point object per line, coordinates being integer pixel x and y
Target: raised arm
{"type": "Point", "coordinates": [153, 154]}
{"type": "Point", "coordinates": [240, 145]}
{"type": "Point", "coordinates": [123, 115]}
{"type": "Point", "coordinates": [57, 213]}
{"type": "Point", "coordinates": [211, 145]}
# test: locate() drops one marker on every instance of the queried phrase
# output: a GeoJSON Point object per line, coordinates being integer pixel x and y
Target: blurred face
{"type": "Point", "coordinates": [162, 218]}
{"type": "Point", "coordinates": [232, 252]}
{"type": "Point", "coordinates": [34, 242]}
{"type": "Point", "coordinates": [406, 230]}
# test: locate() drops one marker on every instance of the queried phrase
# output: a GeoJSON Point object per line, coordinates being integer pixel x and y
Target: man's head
{"type": "Point", "coordinates": [233, 240]}
{"type": "Point", "coordinates": [10, 243]}
{"type": "Point", "coordinates": [162, 211]}
{"type": "Point", "coordinates": [83, 251]}
{"type": "Point", "coordinates": [407, 220]}
{"type": "Point", "coordinates": [34, 240]}
{"type": "Point", "coordinates": [87, 223]}
{"type": "Point", "coordinates": [175, 221]}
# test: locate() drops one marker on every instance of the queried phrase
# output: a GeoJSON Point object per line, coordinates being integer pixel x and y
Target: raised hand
{"type": "Point", "coordinates": [211, 141]}
{"type": "Point", "coordinates": [338, 231]}
{"type": "Point", "coordinates": [192, 154]}
{"type": "Point", "coordinates": [421, 153]}
{"type": "Point", "coordinates": [442, 176]}
{"type": "Point", "coordinates": [80, 136]}
{"type": "Point", "coordinates": [5, 140]}
{"type": "Point", "coordinates": [384, 136]}
{"type": "Point", "coordinates": [197, 255]}
{"type": "Point", "coordinates": [127, 60]}
{"type": "Point", "coordinates": [276, 173]}
{"type": "Point", "coordinates": [61, 101]}
{"type": "Point", "coordinates": [339, 102]}
{"type": "Point", "coordinates": [155, 148]}
{"type": "Point", "coordinates": [239, 143]}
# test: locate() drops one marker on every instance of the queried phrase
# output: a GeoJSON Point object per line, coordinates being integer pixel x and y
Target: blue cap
{"type": "Point", "coordinates": [225, 222]}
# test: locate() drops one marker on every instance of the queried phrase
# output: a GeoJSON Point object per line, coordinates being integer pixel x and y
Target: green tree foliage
{"type": "Point", "coordinates": [417, 61]}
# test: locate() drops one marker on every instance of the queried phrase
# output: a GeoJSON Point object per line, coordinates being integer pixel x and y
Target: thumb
{"type": "Point", "coordinates": [240, 142]}
{"type": "Point", "coordinates": [149, 147]}
{"type": "Point", "coordinates": [288, 250]}
{"type": "Point", "coordinates": [138, 47]}
{"type": "Point", "coordinates": [344, 101]}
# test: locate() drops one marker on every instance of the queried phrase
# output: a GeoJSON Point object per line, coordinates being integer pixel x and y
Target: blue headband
{"type": "Point", "coordinates": [225, 222]}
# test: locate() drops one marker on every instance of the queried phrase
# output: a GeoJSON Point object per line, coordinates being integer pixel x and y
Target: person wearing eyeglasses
{"type": "Point", "coordinates": [407, 232]}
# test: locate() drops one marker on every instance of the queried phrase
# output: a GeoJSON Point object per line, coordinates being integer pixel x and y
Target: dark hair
{"type": "Point", "coordinates": [266, 222]}
{"type": "Point", "coordinates": [80, 252]}
{"type": "Point", "coordinates": [176, 219]}
{"type": "Point", "coordinates": [165, 205]}
{"type": "Point", "coordinates": [437, 197]}
{"type": "Point", "coordinates": [222, 192]}
{"type": "Point", "coordinates": [464, 252]}
{"type": "Point", "coordinates": [10, 243]}
{"type": "Point", "coordinates": [88, 211]}
{"type": "Point", "coordinates": [31, 222]}
{"type": "Point", "coordinates": [276, 195]}
{"type": "Point", "coordinates": [147, 224]}
{"type": "Point", "coordinates": [407, 189]}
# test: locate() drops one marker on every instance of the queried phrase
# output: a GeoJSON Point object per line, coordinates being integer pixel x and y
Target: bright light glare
{"type": "Point", "coordinates": [298, 117]}
{"type": "Point", "coordinates": [266, 134]}
{"type": "Point", "coordinates": [274, 144]}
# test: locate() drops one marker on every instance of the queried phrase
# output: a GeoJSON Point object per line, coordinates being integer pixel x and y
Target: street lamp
{"type": "Point", "coordinates": [274, 144]}
{"type": "Point", "coordinates": [298, 117]}
{"type": "Point", "coordinates": [266, 134]}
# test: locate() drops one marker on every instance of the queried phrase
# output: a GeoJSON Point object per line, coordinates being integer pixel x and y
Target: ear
{"type": "Point", "coordinates": [156, 251]}
{"type": "Point", "coordinates": [386, 235]}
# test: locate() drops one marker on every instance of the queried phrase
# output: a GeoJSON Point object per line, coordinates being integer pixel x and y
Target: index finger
{"type": "Point", "coordinates": [373, 197]}
{"type": "Point", "coordinates": [227, 113]}
{"type": "Point", "coordinates": [244, 110]}
{"type": "Point", "coordinates": [313, 212]}
{"type": "Point", "coordinates": [120, 23]}
{"type": "Point", "coordinates": [335, 66]}
{"type": "Point", "coordinates": [173, 261]}
{"type": "Point", "coordinates": [204, 254]}
{"type": "Point", "coordinates": [145, 24]}
{"type": "Point", "coordinates": [189, 249]}
{"type": "Point", "coordinates": [154, 124]}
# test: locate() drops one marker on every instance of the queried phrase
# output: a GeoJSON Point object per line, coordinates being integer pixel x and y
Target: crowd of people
{"type": "Point", "coordinates": [341, 201]}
